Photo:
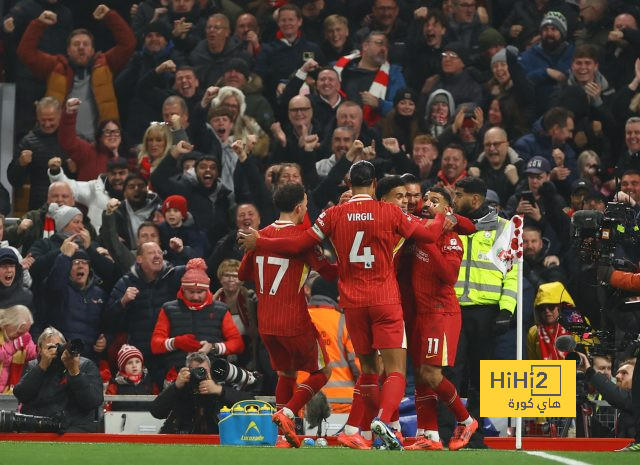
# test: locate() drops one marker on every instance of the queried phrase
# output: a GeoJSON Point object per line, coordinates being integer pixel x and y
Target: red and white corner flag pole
{"type": "Point", "coordinates": [506, 252]}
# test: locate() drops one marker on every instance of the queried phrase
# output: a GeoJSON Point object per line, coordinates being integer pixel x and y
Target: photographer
{"type": "Point", "coordinates": [618, 395]}
{"type": "Point", "coordinates": [191, 404]}
{"type": "Point", "coordinates": [628, 282]}
{"type": "Point", "coordinates": [61, 384]}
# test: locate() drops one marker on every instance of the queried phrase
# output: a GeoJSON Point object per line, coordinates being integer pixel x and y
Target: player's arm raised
{"type": "Point", "coordinates": [288, 246]}
{"type": "Point", "coordinates": [430, 232]}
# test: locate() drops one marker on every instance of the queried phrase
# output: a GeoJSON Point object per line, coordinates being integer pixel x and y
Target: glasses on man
{"type": "Point", "coordinates": [299, 109]}
{"type": "Point", "coordinates": [494, 144]}
{"type": "Point", "coordinates": [80, 261]}
{"type": "Point", "coordinates": [451, 55]}
{"type": "Point", "coordinates": [111, 132]}
{"type": "Point", "coordinates": [216, 28]}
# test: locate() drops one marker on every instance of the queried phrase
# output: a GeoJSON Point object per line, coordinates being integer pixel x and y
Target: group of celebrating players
{"type": "Point", "coordinates": [372, 239]}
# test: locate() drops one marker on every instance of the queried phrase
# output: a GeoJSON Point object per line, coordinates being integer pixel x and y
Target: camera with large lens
{"type": "Point", "coordinates": [74, 347]}
{"type": "Point", "coordinates": [227, 373]}
{"type": "Point", "coordinates": [19, 423]}
{"type": "Point", "coordinates": [197, 375]}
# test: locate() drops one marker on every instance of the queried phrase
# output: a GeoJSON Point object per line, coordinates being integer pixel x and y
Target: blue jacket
{"type": "Point", "coordinates": [77, 313]}
{"type": "Point", "coordinates": [535, 62]}
{"type": "Point", "coordinates": [538, 143]}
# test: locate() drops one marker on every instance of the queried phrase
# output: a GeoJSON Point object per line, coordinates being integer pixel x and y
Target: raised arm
{"type": "Point", "coordinates": [289, 246]}
{"type": "Point", "coordinates": [118, 55]}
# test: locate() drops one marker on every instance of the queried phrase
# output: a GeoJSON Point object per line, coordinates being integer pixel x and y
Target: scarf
{"type": "Point", "coordinates": [195, 305]}
{"type": "Point", "coordinates": [378, 86]}
{"type": "Point", "coordinates": [16, 365]}
{"type": "Point", "coordinates": [282, 38]}
{"type": "Point", "coordinates": [49, 228]}
{"type": "Point", "coordinates": [547, 335]}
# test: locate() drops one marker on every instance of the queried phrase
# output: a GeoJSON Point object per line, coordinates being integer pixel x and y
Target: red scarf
{"type": "Point", "coordinates": [547, 335]}
{"type": "Point", "coordinates": [446, 182]}
{"type": "Point", "coordinates": [135, 379]}
{"type": "Point", "coordinates": [281, 38]}
{"type": "Point", "coordinates": [378, 86]}
{"type": "Point", "coordinates": [195, 305]}
{"type": "Point", "coordinates": [49, 228]}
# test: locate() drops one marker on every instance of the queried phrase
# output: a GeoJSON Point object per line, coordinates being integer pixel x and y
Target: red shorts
{"type": "Point", "coordinates": [304, 352]}
{"type": "Point", "coordinates": [376, 327]}
{"type": "Point", "coordinates": [434, 339]}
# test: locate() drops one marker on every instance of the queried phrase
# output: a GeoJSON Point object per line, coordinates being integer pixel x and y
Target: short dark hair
{"type": "Point", "coordinates": [387, 184]}
{"type": "Point", "coordinates": [148, 224]}
{"type": "Point", "coordinates": [556, 116]}
{"type": "Point", "coordinates": [532, 227]}
{"type": "Point", "coordinates": [473, 185]}
{"type": "Point", "coordinates": [220, 110]}
{"type": "Point", "coordinates": [631, 173]}
{"type": "Point", "coordinates": [438, 16]}
{"type": "Point", "coordinates": [131, 177]}
{"type": "Point", "coordinates": [186, 68]}
{"type": "Point", "coordinates": [287, 197]}
{"type": "Point", "coordinates": [587, 51]}
{"type": "Point", "coordinates": [80, 31]}
{"type": "Point", "coordinates": [455, 146]}
{"type": "Point", "coordinates": [409, 178]}
{"type": "Point", "coordinates": [443, 192]}
{"type": "Point", "coordinates": [362, 173]}
{"type": "Point", "coordinates": [291, 7]}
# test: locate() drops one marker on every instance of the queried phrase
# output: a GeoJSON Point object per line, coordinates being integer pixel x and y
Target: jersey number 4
{"type": "Point", "coordinates": [354, 254]}
{"type": "Point", "coordinates": [282, 263]}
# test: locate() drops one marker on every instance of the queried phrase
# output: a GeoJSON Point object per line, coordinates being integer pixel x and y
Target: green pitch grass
{"type": "Point", "coordinates": [175, 454]}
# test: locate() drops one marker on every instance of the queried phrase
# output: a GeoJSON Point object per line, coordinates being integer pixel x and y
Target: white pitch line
{"type": "Point", "coordinates": [556, 458]}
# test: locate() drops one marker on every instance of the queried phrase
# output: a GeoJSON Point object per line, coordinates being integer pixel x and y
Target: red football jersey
{"type": "Point", "coordinates": [365, 234]}
{"type": "Point", "coordinates": [282, 307]}
{"type": "Point", "coordinates": [435, 272]}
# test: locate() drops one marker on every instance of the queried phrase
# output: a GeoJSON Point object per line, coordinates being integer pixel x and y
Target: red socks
{"type": "Point", "coordinates": [426, 408]}
{"type": "Point", "coordinates": [391, 395]}
{"type": "Point", "coordinates": [370, 393]}
{"type": "Point", "coordinates": [306, 390]}
{"type": "Point", "coordinates": [357, 407]}
{"type": "Point", "coordinates": [284, 390]}
{"type": "Point", "coordinates": [448, 395]}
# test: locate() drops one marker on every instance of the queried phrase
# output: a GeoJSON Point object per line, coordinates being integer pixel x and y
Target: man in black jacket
{"type": "Point", "coordinates": [67, 387]}
{"type": "Point", "coordinates": [192, 407]}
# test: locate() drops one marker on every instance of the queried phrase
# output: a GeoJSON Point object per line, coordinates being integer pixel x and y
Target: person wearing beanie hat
{"type": "Point", "coordinates": [490, 39]}
{"type": "Point", "coordinates": [455, 78]}
{"type": "Point", "coordinates": [547, 63]}
{"type": "Point", "coordinates": [178, 234]}
{"type": "Point", "coordinates": [214, 331]}
{"type": "Point", "coordinates": [159, 28]}
{"type": "Point", "coordinates": [66, 218]}
{"type": "Point", "coordinates": [12, 288]}
{"type": "Point", "coordinates": [239, 65]}
{"type": "Point", "coordinates": [402, 122]}
{"type": "Point", "coordinates": [132, 377]}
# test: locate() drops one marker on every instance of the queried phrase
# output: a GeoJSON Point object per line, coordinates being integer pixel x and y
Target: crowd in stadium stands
{"type": "Point", "coordinates": [149, 135]}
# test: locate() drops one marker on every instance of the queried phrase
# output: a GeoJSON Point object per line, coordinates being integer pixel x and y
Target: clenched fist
{"type": "Point", "coordinates": [100, 12]}
{"type": "Point", "coordinates": [48, 17]}
{"type": "Point", "coordinates": [26, 157]}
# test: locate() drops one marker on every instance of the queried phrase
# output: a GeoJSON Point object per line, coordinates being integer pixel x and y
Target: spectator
{"type": "Point", "coordinates": [402, 121]}
{"type": "Point", "coordinates": [178, 234]}
{"type": "Point", "coordinates": [25, 262]}
{"type": "Point", "coordinates": [465, 130]}
{"type": "Point", "coordinates": [148, 11]}
{"type": "Point", "coordinates": [68, 76]}
{"type": "Point", "coordinates": [96, 193]}
{"type": "Point", "coordinates": [467, 22]}
{"type": "Point", "coordinates": [219, 46]}
{"type": "Point", "coordinates": [337, 42]}
{"type": "Point", "coordinates": [246, 216]}
{"type": "Point", "coordinates": [280, 58]}
{"type": "Point", "coordinates": [139, 205]}
{"type": "Point", "coordinates": [242, 303]}
{"type": "Point", "coordinates": [550, 139]}
{"type": "Point", "coordinates": [438, 112]}
{"type": "Point", "coordinates": [193, 408]}
{"type": "Point", "coordinates": [237, 75]}
{"type": "Point", "coordinates": [384, 18]}
{"type": "Point", "coordinates": [136, 106]}
{"type": "Point", "coordinates": [12, 288]}
{"type": "Point", "coordinates": [341, 142]}
{"type": "Point", "coordinates": [630, 159]}
{"type": "Point", "coordinates": [34, 151]}
{"type": "Point", "coordinates": [552, 301]}
{"type": "Point", "coordinates": [248, 31]}
{"type": "Point", "coordinates": [547, 63]}
{"type": "Point", "coordinates": [326, 98]}
{"type": "Point", "coordinates": [498, 164]}
{"type": "Point", "coordinates": [194, 322]}
{"type": "Point", "coordinates": [425, 158]}
{"type": "Point", "coordinates": [69, 227]}
{"type": "Point", "coordinates": [132, 378]}
{"type": "Point", "coordinates": [510, 82]}
{"type": "Point", "coordinates": [38, 223]}
{"type": "Point", "coordinates": [590, 169]}
{"type": "Point", "coordinates": [136, 300]}
{"type": "Point", "coordinates": [156, 144]}
{"type": "Point", "coordinates": [243, 124]}
{"type": "Point", "coordinates": [369, 79]}
{"type": "Point", "coordinates": [580, 190]}
{"type": "Point", "coordinates": [424, 45]}
{"type": "Point", "coordinates": [290, 138]}
{"type": "Point", "coordinates": [91, 159]}
{"type": "Point", "coordinates": [66, 387]}
{"type": "Point", "coordinates": [208, 198]}
{"type": "Point", "coordinates": [183, 20]}
{"type": "Point", "coordinates": [540, 266]}
{"type": "Point", "coordinates": [453, 167]}
{"type": "Point", "coordinates": [621, 50]}
{"type": "Point", "coordinates": [16, 346]}
{"type": "Point", "coordinates": [77, 304]}
{"type": "Point", "coordinates": [629, 189]}
{"type": "Point", "coordinates": [595, 23]}
{"type": "Point", "coordinates": [585, 74]}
